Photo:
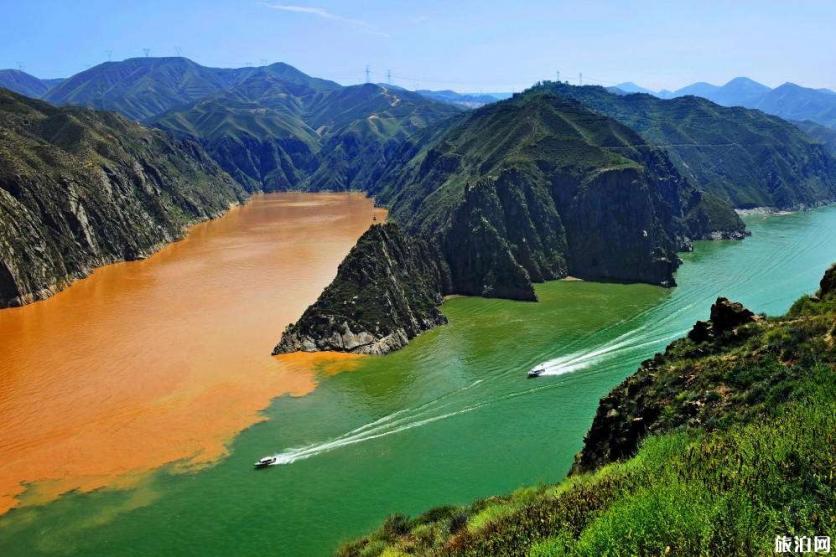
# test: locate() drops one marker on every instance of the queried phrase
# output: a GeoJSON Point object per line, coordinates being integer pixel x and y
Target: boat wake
{"type": "Point", "coordinates": [374, 430]}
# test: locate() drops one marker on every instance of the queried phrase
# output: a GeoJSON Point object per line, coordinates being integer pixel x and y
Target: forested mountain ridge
{"type": "Point", "coordinates": [744, 156]}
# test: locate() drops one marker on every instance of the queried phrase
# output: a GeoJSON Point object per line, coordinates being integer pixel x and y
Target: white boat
{"type": "Point", "coordinates": [265, 462]}
{"type": "Point", "coordinates": [536, 371]}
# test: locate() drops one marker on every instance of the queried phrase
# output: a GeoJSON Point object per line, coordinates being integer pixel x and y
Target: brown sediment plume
{"type": "Point", "coordinates": [165, 360]}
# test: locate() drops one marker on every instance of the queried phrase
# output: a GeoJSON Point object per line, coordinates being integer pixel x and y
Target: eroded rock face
{"type": "Point", "coordinates": [80, 188]}
{"type": "Point", "coordinates": [387, 291]}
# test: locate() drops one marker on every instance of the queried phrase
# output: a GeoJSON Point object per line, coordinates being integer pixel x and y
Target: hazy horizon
{"type": "Point", "coordinates": [467, 47]}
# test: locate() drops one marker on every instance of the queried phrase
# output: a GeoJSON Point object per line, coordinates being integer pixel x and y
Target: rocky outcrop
{"type": "Point", "coordinates": [827, 286]}
{"type": "Point", "coordinates": [725, 317]}
{"type": "Point", "coordinates": [667, 391]}
{"type": "Point", "coordinates": [80, 188]}
{"type": "Point", "coordinates": [387, 291]}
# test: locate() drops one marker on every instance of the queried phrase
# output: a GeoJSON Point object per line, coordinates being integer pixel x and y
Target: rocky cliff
{"type": "Point", "coordinates": [387, 291]}
{"type": "Point", "coordinates": [80, 188]}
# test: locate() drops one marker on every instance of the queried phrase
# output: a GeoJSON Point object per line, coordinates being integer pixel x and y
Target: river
{"type": "Point", "coordinates": [449, 419]}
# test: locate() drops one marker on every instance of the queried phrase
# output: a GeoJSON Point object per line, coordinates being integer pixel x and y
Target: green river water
{"type": "Point", "coordinates": [449, 419]}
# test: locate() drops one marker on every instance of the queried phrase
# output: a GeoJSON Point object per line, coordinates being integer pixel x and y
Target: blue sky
{"type": "Point", "coordinates": [464, 45]}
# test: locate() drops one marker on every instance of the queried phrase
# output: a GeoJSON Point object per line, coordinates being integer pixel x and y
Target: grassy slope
{"type": "Point", "coordinates": [751, 459]}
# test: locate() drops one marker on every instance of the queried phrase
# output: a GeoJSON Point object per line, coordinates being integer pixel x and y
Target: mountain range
{"type": "Point", "coordinates": [271, 127]}
{"type": "Point", "coordinates": [789, 101]}
{"type": "Point", "coordinates": [515, 192]}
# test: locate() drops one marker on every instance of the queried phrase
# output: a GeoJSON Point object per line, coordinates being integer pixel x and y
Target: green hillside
{"type": "Point", "coordinates": [820, 134]}
{"type": "Point", "coordinates": [80, 188]}
{"type": "Point", "coordinates": [548, 187]}
{"type": "Point", "coordinates": [741, 155]}
{"type": "Point", "coordinates": [715, 447]}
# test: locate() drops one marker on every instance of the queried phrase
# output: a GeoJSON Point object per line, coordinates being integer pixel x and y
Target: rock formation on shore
{"type": "Point", "coordinates": [387, 291]}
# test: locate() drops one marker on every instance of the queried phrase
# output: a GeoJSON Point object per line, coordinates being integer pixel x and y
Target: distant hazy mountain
{"type": "Point", "coordinates": [142, 88]}
{"type": "Point", "coordinates": [23, 83]}
{"type": "Point", "coordinates": [789, 101]}
{"type": "Point", "coordinates": [740, 91]}
{"type": "Point", "coordinates": [793, 102]}
{"type": "Point", "coordinates": [465, 100]}
{"type": "Point", "coordinates": [630, 87]}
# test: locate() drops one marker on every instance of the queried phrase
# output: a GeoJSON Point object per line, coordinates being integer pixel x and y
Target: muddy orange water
{"type": "Point", "coordinates": [165, 360]}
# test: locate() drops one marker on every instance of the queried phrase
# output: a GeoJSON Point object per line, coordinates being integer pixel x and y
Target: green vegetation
{"type": "Point", "coordinates": [744, 156]}
{"type": "Point", "coordinates": [80, 188]}
{"type": "Point", "coordinates": [739, 452]}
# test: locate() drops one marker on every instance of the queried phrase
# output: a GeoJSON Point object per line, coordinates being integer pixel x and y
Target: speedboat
{"type": "Point", "coordinates": [536, 371]}
{"type": "Point", "coordinates": [265, 462]}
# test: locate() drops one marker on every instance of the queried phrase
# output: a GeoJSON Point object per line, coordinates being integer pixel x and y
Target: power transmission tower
{"type": "Point", "coordinates": [368, 72]}
{"type": "Point", "coordinates": [263, 61]}
{"type": "Point", "coordinates": [19, 67]}
{"type": "Point", "coordinates": [580, 78]}
{"type": "Point", "coordinates": [178, 51]}
{"type": "Point", "coordinates": [146, 51]}
{"type": "Point", "coordinates": [109, 54]}
{"type": "Point", "coordinates": [389, 77]}
{"type": "Point", "coordinates": [558, 76]}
